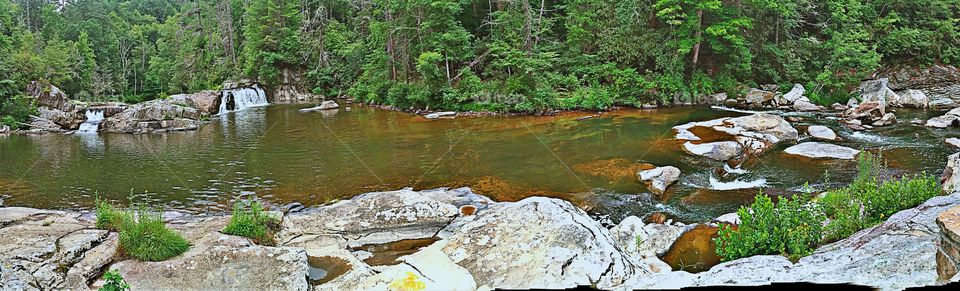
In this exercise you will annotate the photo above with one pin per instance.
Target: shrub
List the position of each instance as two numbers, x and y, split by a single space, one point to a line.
251 221
145 237
113 281
792 228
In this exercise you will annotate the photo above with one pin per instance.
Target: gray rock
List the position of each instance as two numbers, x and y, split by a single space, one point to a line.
943 121
383 217
153 116
804 105
720 151
645 240
206 101
758 97
819 150
220 262
326 105
911 98
795 94
659 178
821 132
950 180
942 103
549 242
954 142
877 90
729 218
887 119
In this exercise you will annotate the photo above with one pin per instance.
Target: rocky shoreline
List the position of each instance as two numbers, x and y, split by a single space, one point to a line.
476 243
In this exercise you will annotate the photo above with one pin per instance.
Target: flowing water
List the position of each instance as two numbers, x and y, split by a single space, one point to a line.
94 117
283 156
242 98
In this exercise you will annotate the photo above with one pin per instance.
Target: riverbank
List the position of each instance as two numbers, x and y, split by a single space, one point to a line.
471 243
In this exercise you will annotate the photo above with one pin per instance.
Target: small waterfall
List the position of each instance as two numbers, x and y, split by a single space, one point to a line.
92 124
242 98
736 184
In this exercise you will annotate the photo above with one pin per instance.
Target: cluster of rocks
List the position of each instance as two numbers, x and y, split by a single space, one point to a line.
735 136
480 244
176 113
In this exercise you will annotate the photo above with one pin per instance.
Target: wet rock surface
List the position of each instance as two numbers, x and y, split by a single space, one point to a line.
818 150
751 135
659 178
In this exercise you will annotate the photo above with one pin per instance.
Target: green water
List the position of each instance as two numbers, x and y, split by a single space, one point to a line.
283 156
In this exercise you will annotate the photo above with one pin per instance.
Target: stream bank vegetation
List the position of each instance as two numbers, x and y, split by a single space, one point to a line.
143 235
505 55
796 227
250 220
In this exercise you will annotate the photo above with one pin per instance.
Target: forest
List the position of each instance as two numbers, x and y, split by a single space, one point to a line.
495 55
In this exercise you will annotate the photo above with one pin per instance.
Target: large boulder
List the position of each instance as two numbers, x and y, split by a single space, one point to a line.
878 91
804 105
758 98
795 94
326 105
50 96
950 119
938 81
911 98
659 178
207 102
866 112
66 120
540 243
383 217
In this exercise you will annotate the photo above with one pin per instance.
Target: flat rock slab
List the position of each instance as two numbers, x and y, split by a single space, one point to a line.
221 262
383 217
817 150
821 132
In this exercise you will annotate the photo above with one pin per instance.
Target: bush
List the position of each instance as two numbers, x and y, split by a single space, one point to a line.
15 111
792 228
251 221
114 282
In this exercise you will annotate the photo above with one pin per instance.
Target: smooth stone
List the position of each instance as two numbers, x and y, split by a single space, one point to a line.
806 106
444 114
795 93
819 150
954 142
720 151
659 178
326 105
821 132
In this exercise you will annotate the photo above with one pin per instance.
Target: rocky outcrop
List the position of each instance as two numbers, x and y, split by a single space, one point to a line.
291 88
821 132
659 178
948 251
752 135
50 96
153 116
65 120
646 240
877 91
818 150
208 102
938 81
894 255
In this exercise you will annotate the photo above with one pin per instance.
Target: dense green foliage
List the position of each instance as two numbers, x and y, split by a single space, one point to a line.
143 235
869 200
791 227
113 281
794 228
516 55
251 221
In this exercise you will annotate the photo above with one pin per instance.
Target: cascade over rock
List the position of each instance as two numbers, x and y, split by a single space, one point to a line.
242 98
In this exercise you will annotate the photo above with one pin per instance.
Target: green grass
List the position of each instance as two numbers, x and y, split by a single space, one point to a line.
795 227
251 221
143 235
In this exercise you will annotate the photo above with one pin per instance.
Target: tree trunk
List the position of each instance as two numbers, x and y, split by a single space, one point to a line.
696 47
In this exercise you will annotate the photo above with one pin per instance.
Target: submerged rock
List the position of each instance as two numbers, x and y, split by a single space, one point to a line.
326 105
659 178
821 132
819 150
444 114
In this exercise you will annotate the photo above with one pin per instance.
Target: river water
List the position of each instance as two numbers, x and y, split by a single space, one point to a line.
283 156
